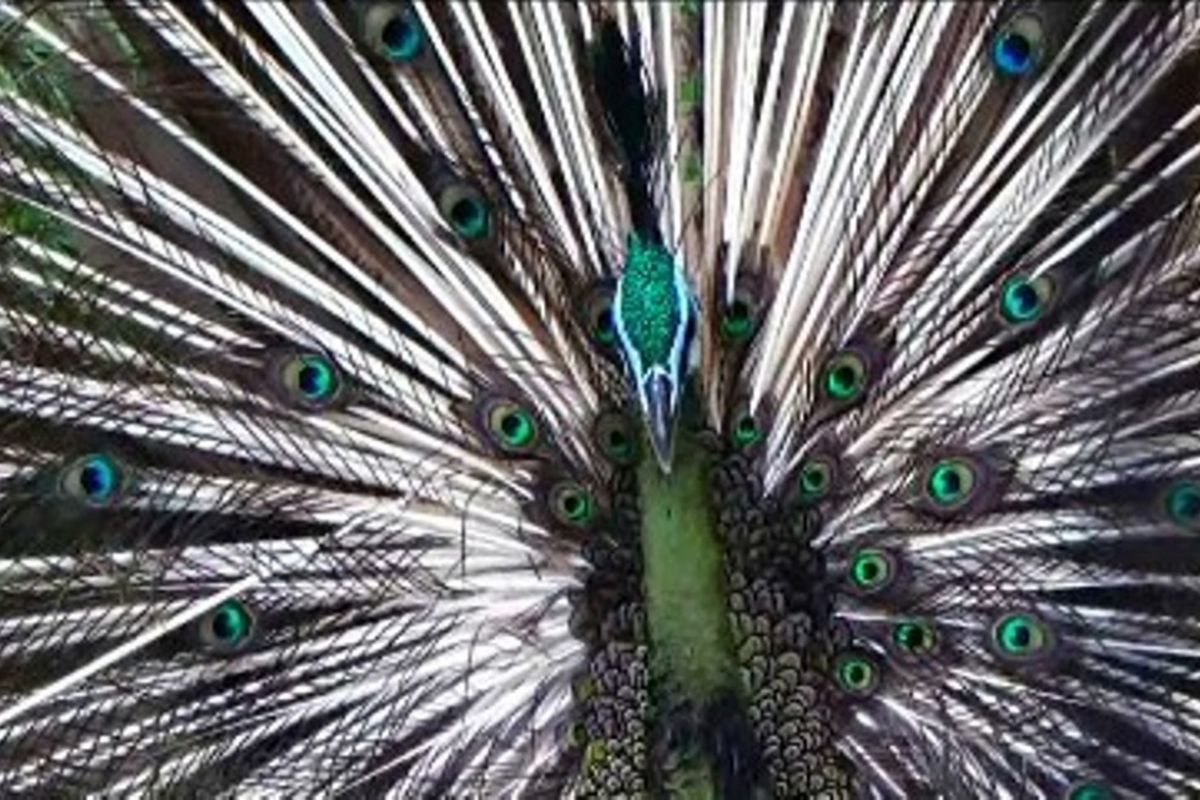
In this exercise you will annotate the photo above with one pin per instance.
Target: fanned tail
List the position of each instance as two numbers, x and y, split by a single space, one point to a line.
980 366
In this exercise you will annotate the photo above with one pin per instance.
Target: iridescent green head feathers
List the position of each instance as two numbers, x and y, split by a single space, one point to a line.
655 321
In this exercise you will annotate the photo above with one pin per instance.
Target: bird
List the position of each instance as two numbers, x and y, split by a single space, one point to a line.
600 400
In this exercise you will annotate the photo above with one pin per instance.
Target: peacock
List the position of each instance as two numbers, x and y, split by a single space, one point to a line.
600 400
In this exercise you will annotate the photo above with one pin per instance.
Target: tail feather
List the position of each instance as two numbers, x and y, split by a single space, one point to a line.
315 472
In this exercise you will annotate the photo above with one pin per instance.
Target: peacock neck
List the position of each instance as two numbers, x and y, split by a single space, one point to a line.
685 594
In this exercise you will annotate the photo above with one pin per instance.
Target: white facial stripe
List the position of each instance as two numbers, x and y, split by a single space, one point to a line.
632 358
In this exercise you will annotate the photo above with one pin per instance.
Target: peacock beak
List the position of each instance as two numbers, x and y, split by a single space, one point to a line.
658 401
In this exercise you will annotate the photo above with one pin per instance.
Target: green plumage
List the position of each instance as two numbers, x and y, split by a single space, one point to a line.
649 307
685 593
685 588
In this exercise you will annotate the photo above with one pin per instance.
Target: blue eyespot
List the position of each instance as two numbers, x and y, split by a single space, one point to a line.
394 32
311 380
96 479
467 211
1182 503
403 37
1024 300
1018 47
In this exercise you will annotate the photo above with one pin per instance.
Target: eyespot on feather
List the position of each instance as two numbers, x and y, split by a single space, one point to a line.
744 432
596 317
1179 503
951 483
1019 46
1025 300
466 210
393 31
97 480
1022 637
871 570
308 380
229 628
571 503
616 437
816 479
857 674
508 424
915 637
845 377
1089 790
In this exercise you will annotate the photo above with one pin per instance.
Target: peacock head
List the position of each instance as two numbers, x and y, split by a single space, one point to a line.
655 320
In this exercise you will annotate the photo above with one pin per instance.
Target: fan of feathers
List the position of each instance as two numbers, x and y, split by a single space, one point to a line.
600 400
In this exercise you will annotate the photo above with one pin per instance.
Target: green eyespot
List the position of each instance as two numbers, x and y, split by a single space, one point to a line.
616 438
311 380
1019 47
917 637
738 320
871 570
466 210
513 428
598 316
1020 636
229 626
845 377
744 431
857 674
816 479
572 504
394 32
95 479
1182 505
950 483
1090 790
1024 300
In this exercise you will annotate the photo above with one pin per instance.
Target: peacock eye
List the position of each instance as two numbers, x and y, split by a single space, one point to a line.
513 428
1018 47
816 476
311 379
601 324
857 674
1020 636
1090 790
1182 503
871 570
950 483
917 637
572 504
1024 300
615 437
466 211
737 323
95 479
229 626
744 431
394 32
845 377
